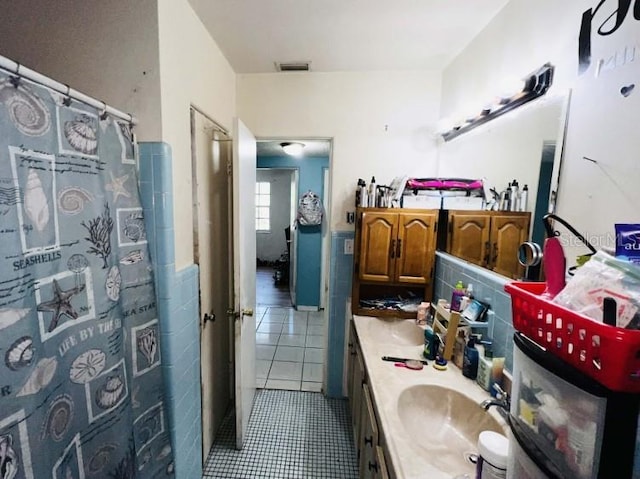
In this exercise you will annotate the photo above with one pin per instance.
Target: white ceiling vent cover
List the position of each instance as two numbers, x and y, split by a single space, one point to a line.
292 66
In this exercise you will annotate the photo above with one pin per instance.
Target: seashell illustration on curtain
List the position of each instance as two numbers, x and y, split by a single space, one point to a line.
109 393
72 200
20 354
26 110
148 344
9 464
36 205
81 133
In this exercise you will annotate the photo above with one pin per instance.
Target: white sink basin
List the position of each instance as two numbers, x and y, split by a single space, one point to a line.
443 426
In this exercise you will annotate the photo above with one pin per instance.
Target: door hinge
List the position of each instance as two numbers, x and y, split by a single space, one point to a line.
229 167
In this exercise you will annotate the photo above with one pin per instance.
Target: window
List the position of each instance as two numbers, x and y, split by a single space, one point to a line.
263 203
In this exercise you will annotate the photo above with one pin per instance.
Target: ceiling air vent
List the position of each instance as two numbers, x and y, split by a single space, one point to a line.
293 66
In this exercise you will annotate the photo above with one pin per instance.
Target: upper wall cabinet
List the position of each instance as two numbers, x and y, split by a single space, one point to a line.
489 239
393 258
397 247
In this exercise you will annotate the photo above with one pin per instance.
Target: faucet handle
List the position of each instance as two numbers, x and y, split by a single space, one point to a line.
501 393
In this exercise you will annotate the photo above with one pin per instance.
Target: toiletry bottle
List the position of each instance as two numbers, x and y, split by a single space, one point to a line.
421 317
372 192
458 349
485 366
456 296
430 343
493 455
514 196
524 198
470 359
466 299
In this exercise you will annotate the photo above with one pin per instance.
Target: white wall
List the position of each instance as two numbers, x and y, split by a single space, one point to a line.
107 49
602 123
270 245
382 123
193 71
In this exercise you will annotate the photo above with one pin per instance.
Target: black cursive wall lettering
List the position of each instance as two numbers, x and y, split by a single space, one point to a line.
607 27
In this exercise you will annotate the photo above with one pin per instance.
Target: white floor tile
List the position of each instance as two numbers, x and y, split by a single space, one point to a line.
272 318
265 351
313 355
315 341
283 384
267 338
300 314
261 383
315 329
295 327
312 372
286 370
292 340
311 387
284 312
262 368
316 316
272 328
289 353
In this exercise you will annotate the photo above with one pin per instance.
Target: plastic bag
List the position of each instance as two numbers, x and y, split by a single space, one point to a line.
600 277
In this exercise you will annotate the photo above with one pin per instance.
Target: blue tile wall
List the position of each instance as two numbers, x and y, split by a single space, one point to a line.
487 287
177 296
339 293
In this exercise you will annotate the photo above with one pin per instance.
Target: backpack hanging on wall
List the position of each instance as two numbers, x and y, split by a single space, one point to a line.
310 209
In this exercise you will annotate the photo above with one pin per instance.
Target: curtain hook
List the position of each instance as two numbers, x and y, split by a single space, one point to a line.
67 100
103 115
15 79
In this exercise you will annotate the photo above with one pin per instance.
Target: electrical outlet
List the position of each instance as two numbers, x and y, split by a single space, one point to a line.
351 217
348 246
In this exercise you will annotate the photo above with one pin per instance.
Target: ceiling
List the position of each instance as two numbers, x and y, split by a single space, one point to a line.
343 35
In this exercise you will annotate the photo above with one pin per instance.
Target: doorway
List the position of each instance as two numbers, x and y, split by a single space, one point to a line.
291 338
210 153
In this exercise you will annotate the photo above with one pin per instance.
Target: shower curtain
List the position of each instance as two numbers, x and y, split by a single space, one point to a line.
81 391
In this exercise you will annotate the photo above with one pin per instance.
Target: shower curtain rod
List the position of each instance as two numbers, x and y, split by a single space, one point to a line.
18 69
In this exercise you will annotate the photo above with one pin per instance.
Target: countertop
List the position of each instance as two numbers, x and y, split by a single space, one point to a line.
386 382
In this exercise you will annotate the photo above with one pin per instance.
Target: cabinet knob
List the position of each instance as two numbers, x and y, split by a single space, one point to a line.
399 248
487 253
368 440
392 249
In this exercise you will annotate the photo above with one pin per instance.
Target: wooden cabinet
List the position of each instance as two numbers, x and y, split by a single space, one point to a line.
355 382
489 239
394 255
371 460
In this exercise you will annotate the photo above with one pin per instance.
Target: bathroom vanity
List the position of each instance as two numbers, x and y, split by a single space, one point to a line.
411 424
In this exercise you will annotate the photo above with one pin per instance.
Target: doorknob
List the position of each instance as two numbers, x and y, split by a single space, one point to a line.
247 312
209 317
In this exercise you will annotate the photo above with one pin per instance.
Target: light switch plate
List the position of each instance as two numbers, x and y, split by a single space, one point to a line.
348 246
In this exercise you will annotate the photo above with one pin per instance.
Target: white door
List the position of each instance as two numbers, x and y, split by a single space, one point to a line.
244 274
210 156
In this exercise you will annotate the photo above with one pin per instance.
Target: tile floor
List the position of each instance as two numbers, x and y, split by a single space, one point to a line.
292 434
290 349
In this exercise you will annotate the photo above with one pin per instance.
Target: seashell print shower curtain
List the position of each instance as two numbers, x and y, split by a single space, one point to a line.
81 391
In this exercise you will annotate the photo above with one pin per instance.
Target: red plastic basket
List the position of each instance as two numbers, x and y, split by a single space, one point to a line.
608 354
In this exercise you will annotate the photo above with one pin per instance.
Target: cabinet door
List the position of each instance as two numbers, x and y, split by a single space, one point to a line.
383 472
415 247
378 246
508 232
351 356
368 437
469 236
356 403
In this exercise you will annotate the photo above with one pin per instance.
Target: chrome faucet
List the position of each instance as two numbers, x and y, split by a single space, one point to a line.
501 401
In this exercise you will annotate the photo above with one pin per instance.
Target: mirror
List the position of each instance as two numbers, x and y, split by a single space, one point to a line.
525 145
